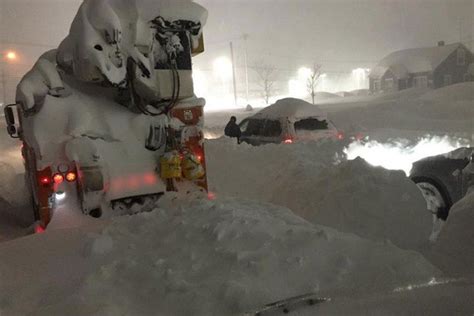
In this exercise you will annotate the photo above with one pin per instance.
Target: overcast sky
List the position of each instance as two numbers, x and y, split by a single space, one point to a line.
339 34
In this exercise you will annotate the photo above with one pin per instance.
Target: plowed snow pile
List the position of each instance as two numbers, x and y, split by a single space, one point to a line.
211 258
351 197
454 249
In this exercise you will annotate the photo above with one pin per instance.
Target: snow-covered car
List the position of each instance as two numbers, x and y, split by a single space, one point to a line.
444 179
288 121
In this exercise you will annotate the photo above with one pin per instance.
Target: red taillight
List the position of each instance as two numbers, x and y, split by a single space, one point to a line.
58 178
71 176
45 180
39 229
288 141
211 196
340 135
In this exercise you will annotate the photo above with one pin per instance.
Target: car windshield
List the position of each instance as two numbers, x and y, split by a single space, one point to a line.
311 124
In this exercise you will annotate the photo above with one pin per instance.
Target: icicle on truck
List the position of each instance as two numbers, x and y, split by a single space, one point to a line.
110 119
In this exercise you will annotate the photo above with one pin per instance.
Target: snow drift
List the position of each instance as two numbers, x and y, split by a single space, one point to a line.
352 197
454 249
355 197
195 258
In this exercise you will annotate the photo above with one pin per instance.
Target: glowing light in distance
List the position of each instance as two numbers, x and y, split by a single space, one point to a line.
304 73
223 68
400 155
200 82
11 56
297 89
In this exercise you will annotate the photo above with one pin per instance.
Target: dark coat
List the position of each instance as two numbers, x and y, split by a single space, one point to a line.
232 130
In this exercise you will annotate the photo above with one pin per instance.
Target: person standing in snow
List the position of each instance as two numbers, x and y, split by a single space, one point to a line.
232 129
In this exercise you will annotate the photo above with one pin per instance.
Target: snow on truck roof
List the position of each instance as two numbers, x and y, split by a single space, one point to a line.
290 107
413 60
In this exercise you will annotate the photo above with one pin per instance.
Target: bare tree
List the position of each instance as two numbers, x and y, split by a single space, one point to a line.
266 79
313 80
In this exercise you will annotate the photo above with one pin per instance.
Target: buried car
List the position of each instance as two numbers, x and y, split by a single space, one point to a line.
444 179
287 121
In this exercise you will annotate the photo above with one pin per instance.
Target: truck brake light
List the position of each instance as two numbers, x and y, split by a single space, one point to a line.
45 180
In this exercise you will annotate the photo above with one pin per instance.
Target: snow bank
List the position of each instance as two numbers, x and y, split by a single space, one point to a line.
352 197
355 197
454 249
201 258
445 110
254 172
12 186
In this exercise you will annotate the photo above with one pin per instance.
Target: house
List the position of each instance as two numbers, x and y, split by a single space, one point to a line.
430 67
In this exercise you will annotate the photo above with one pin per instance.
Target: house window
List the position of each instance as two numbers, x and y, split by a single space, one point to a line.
461 57
389 84
448 80
420 82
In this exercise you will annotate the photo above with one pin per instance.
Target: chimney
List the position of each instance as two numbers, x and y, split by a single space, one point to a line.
440 43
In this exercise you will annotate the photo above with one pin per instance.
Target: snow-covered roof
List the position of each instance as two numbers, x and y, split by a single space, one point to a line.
414 60
290 107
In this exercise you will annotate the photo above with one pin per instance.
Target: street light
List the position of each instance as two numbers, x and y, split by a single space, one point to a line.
11 56
223 68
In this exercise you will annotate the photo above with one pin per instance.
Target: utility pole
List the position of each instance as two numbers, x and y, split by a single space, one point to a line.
233 72
246 36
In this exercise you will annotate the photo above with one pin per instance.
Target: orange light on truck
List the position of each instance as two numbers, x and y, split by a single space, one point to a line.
58 178
71 176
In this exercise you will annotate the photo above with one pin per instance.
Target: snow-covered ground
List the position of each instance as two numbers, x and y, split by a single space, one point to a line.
288 219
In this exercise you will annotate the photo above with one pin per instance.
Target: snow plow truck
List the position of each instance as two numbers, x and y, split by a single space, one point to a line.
109 120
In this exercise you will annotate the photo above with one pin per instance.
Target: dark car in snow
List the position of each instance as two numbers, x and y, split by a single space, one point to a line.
444 179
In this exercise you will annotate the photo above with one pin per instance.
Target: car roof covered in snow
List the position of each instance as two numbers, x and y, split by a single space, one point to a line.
414 60
291 108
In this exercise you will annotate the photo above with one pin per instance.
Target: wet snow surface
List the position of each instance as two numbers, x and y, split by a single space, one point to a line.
287 220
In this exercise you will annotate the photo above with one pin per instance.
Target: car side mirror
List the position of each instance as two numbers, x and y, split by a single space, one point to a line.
12 129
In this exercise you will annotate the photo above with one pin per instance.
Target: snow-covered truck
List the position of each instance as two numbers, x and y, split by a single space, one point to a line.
110 120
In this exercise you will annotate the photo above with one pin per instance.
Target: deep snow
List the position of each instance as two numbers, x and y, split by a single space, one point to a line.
195 257
234 254
350 196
